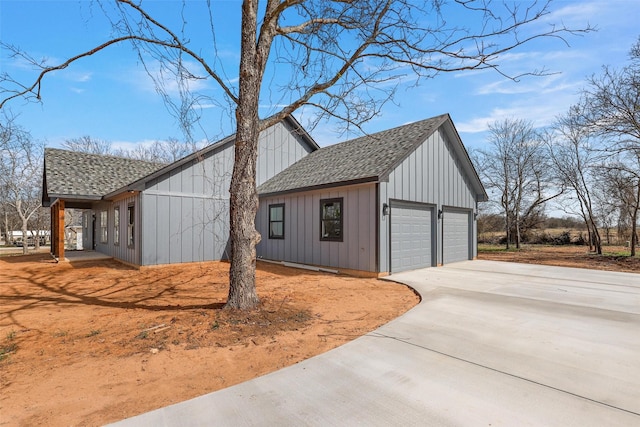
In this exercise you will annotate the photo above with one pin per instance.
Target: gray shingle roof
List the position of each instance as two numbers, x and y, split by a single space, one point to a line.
359 160
90 176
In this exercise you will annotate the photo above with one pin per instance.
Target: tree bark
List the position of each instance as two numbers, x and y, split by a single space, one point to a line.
7 233
634 221
24 228
243 194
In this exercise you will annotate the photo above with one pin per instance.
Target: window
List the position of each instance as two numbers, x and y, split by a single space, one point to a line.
331 219
116 225
131 219
103 227
276 221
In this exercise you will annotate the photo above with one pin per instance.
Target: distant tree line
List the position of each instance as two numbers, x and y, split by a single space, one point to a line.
21 162
587 164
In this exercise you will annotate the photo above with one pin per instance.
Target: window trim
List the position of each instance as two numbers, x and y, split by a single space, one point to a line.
339 238
271 235
131 238
116 225
104 226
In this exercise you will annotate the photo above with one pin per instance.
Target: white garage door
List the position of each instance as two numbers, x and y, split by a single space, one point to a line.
456 235
411 236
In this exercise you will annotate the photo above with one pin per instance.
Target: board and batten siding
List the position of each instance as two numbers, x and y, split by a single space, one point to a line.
120 251
302 243
431 174
186 210
279 147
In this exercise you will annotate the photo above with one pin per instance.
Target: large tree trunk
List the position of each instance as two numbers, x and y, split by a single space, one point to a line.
25 239
8 237
244 196
595 234
517 225
634 221
243 208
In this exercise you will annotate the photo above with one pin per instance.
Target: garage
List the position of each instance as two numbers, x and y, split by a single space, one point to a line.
456 235
412 233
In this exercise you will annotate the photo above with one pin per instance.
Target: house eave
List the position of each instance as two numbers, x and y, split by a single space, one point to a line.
371 179
71 200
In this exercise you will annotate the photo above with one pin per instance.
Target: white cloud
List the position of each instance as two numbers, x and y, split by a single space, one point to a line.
82 77
539 111
538 85
577 14
131 145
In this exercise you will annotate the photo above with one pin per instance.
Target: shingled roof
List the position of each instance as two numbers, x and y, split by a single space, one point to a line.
82 176
366 159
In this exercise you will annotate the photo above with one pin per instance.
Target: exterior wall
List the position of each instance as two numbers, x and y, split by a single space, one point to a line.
186 211
302 243
87 230
279 148
431 174
122 250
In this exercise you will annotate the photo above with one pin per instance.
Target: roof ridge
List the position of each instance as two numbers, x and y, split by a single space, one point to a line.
365 158
390 130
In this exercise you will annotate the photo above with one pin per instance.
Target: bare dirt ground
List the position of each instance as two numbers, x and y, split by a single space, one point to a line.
614 258
91 343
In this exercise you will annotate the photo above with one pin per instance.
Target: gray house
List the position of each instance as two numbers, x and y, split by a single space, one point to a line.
149 214
400 199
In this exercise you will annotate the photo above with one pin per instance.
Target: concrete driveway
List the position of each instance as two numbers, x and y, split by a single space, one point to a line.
491 344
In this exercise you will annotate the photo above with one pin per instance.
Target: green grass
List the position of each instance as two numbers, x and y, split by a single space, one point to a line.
626 253
484 247
7 349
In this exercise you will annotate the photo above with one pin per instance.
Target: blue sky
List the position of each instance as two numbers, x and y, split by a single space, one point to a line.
109 96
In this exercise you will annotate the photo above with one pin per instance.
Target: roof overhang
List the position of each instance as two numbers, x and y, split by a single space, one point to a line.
71 201
366 180
463 154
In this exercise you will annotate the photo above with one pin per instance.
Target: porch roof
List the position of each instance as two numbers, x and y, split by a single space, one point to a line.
80 178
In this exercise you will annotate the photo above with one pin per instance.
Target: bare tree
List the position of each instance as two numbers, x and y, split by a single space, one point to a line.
611 110
40 223
623 187
575 161
20 171
344 58
8 218
516 167
167 151
87 144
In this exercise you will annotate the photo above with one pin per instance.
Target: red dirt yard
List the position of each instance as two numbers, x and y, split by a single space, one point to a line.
90 343
614 258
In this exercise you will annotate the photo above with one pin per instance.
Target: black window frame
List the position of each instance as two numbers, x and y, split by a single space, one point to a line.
271 221
131 224
116 225
104 226
340 220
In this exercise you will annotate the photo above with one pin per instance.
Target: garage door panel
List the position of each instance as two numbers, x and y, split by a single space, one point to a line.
457 236
411 236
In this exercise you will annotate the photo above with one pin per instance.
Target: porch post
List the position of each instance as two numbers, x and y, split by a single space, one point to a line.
54 224
60 229
57 229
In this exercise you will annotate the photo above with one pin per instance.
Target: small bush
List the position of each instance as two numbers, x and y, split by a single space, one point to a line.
7 349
